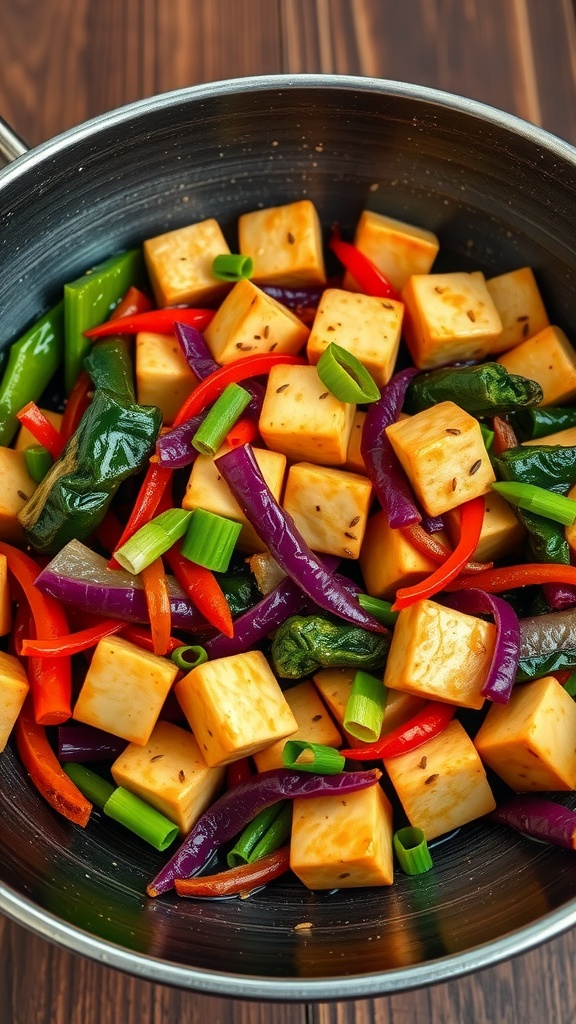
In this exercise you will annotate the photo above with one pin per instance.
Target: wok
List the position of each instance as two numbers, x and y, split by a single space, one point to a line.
501 194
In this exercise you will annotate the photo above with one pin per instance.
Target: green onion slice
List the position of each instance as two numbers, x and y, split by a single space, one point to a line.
92 786
220 419
142 819
381 610
312 757
38 461
189 657
539 500
365 707
254 832
412 851
276 835
345 376
210 540
153 539
232 266
487 436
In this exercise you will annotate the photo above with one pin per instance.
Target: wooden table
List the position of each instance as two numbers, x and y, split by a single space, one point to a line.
62 61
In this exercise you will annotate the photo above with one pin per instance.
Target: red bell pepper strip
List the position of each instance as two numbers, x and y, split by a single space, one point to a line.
71 643
430 721
239 880
52 686
504 436
109 531
244 431
149 497
471 518
49 778
493 581
158 601
134 302
369 279
142 637
159 321
203 588
44 432
238 771
433 548
78 401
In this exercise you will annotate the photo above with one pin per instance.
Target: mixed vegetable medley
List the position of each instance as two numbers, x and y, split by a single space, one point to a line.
288 581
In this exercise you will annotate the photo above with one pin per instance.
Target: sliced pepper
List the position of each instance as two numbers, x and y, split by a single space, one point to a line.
549 466
239 880
485 390
369 279
42 430
430 721
159 321
32 361
203 588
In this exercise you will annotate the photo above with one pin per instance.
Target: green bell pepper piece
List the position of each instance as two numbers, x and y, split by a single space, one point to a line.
549 466
486 390
90 299
543 665
546 539
304 643
32 362
531 424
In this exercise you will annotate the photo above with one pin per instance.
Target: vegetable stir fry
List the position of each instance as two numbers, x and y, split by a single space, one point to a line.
288 583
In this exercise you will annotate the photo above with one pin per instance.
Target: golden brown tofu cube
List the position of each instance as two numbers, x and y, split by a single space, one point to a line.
163 376
502 532
440 653
234 707
519 304
531 741
124 689
314 725
442 784
565 438
249 322
24 439
180 262
399 250
16 489
443 455
285 244
354 461
329 507
13 691
367 327
449 317
302 419
206 489
389 561
340 842
549 359
169 773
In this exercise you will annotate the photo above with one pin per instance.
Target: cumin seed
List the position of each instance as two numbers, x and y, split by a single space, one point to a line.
182 775
453 430
454 482
475 467
471 315
354 522
323 395
431 778
351 535
156 758
423 762
282 388
290 238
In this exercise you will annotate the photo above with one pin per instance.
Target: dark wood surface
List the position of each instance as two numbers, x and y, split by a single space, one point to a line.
62 61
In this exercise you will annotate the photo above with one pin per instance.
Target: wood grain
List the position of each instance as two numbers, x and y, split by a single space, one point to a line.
63 61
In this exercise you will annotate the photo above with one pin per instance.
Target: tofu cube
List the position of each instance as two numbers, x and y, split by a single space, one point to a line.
302 419
234 707
440 653
163 376
329 507
548 358
449 317
16 489
24 439
388 560
124 689
206 489
565 438
342 842
169 773
399 250
443 455
180 262
285 244
13 691
314 725
354 461
442 784
519 304
502 532
367 327
335 686
531 741
5 599
249 322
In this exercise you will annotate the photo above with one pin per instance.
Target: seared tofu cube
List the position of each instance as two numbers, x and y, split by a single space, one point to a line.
314 725
250 322
16 489
124 689
548 358
341 842
565 438
399 250
169 773
329 507
440 653
180 262
206 489
163 376
302 419
24 439
367 327
354 461
519 304
235 707
531 741
442 784
502 532
449 317
388 560
285 244
5 599
335 686
13 691
442 452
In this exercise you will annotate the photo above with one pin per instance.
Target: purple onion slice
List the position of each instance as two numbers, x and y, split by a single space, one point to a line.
504 664
540 818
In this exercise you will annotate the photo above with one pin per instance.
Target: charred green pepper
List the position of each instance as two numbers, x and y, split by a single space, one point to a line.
546 539
549 466
531 424
486 390
304 643
32 362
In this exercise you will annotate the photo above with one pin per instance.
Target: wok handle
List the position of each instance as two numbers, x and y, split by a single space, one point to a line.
11 145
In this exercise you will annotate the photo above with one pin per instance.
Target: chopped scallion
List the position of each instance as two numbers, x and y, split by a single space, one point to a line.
252 835
412 851
220 419
210 540
189 657
142 819
312 757
380 609
487 436
38 461
365 707
537 499
232 266
345 376
276 835
153 539
92 786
